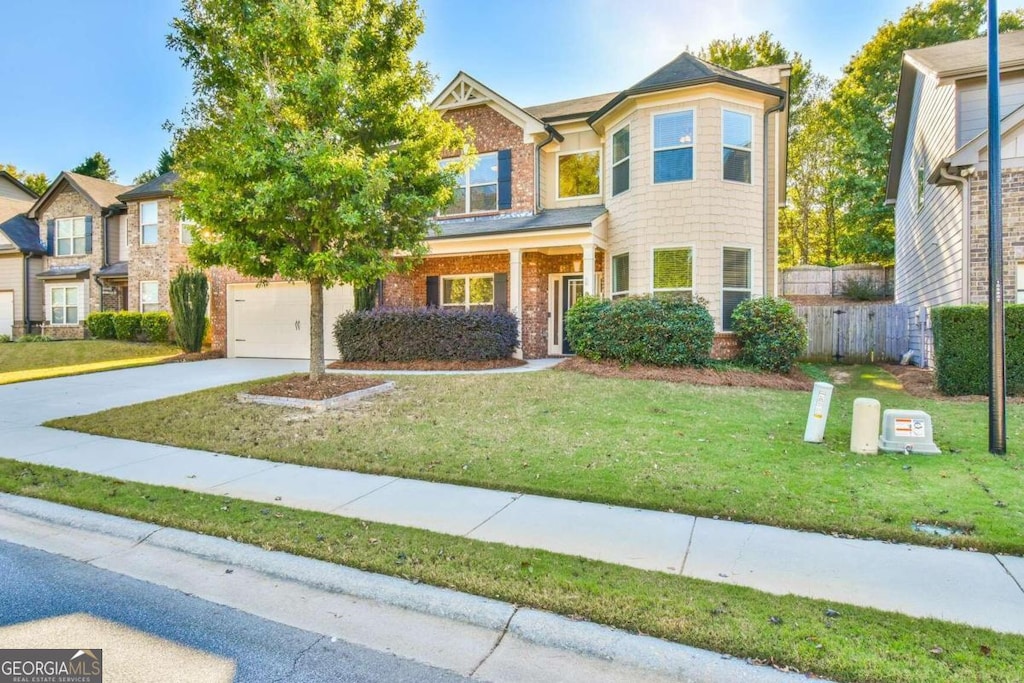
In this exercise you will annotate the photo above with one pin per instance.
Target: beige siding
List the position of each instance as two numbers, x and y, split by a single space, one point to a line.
12 279
574 142
972 104
117 227
707 213
9 190
35 308
929 240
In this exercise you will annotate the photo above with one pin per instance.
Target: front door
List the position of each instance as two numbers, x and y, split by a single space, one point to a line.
572 289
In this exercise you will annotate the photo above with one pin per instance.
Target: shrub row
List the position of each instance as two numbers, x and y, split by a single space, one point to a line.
961 336
405 334
129 325
770 333
654 331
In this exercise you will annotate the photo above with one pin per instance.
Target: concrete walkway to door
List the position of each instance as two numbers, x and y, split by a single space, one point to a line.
973 588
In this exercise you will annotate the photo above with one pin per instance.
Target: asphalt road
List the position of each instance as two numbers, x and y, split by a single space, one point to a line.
37 585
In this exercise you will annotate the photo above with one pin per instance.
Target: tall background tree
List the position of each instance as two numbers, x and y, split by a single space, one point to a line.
36 182
309 151
164 164
98 166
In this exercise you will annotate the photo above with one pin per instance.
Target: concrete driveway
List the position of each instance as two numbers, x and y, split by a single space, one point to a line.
29 404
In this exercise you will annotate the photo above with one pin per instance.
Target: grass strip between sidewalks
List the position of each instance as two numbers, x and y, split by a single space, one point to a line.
860 644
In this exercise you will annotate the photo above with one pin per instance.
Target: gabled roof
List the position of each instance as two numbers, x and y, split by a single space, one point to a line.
686 71
29 192
970 151
579 108
161 186
12 207
102 193
466 91
24 233
549 219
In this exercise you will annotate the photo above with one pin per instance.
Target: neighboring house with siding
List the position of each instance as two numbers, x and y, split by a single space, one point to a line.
938 179
20 259
670 187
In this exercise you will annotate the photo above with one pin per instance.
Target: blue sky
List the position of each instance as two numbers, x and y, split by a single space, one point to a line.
88 75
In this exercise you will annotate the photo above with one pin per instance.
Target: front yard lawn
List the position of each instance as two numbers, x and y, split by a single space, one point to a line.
24 361
841 642
731 452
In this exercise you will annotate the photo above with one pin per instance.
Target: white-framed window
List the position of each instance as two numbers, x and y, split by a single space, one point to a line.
469 292
920 187
149 296
70 236
673 146
148 223
123 226
186 226
620 275
737 145
673 271
735 282
477 190
65 303
620 161
579 174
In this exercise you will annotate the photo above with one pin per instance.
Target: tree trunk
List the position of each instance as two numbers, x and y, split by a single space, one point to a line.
317 369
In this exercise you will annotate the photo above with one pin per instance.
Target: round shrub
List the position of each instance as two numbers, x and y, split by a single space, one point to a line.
100 325
583 326
770 333
155 326
127 325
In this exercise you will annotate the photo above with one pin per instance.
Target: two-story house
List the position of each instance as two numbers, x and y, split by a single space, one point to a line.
21 252
938 179
670 187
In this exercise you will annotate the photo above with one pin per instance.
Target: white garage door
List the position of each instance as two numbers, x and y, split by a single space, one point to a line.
273 321
6 313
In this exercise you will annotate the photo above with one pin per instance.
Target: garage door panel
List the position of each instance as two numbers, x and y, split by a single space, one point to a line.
6 313
273 321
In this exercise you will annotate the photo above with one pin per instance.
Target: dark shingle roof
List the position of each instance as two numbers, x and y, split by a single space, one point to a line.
687 70
24 233
568 109
63 271
161 186
119 269
552 219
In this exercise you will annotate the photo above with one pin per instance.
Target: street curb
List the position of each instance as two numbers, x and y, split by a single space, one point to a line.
531 625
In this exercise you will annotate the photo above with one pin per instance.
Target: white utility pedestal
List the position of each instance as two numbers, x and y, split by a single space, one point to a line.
821 398
867 415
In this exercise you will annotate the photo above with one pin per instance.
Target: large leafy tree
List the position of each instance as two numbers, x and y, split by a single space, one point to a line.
98 166
863 110
36 182
309 151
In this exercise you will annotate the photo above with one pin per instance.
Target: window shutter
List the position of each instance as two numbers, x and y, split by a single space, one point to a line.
88 234
501 291
504 179
433 291
51 237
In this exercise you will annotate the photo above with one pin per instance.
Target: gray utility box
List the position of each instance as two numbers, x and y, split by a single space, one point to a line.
907 431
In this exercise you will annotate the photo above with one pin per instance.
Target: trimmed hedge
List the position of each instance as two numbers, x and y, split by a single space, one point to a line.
653 331
961 336
100 325
408 334
770 333
155 326
127 325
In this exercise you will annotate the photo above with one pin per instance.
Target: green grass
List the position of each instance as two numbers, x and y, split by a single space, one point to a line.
735 453
860 645
22 362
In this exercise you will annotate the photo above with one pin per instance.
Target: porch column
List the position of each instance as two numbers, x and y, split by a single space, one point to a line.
589 271
515 292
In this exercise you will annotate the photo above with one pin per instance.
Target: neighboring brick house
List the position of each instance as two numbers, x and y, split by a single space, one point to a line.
80 219
938 179
671 186
21 258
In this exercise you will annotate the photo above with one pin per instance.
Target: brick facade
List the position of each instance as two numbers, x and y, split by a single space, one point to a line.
1013 234
155 262
725 346
493 132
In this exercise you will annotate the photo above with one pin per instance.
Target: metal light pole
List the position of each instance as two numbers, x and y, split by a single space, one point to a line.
997 358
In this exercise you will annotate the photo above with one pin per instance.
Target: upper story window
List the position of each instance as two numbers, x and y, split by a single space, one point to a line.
579 174
148 231
737 143
70 236
470 292
620 161
920 187
673 271
673 146
186 226
477 189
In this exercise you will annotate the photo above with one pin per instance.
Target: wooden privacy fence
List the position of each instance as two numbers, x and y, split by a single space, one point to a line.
857 332
824 281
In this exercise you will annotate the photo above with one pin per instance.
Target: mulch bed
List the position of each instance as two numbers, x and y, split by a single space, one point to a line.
191 357
795 380
436 365
299 386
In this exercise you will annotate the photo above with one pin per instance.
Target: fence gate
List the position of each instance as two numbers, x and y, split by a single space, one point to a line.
856 333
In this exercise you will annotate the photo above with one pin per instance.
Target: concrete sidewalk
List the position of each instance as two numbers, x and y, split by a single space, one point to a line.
972 588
